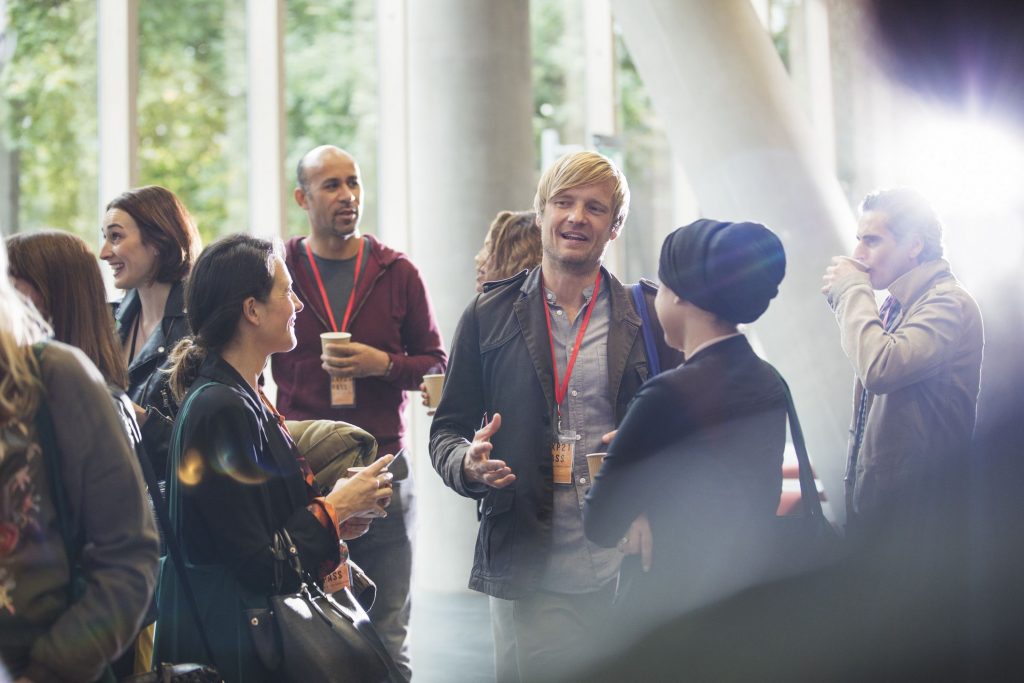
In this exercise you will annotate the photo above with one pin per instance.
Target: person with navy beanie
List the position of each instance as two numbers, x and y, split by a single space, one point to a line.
697 459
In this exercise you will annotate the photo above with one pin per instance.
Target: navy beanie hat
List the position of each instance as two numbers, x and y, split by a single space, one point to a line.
730 269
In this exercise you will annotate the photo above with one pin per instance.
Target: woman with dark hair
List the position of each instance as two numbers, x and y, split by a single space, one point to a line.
58 272
238 478
150 244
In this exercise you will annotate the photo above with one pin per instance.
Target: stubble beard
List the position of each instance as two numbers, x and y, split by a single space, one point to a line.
583 264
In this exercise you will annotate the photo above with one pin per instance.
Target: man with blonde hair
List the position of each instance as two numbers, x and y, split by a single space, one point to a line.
550 359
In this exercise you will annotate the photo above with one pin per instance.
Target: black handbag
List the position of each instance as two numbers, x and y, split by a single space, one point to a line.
806 541
312 636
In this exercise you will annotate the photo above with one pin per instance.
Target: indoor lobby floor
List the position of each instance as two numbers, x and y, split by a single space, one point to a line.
451 638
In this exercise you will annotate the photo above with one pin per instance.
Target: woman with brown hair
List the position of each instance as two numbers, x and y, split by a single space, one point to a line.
61 276
511 246
150 244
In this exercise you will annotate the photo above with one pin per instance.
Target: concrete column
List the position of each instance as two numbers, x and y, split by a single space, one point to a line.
118 78
393 120
470 155
265 37
733 121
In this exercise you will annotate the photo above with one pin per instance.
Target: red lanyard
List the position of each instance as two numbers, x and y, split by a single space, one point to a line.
323 292
560 389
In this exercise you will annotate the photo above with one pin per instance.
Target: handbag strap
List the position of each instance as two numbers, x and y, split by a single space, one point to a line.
164 517
809 498
653 362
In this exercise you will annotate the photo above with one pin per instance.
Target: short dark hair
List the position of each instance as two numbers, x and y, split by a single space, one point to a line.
907 213
300 174
165 223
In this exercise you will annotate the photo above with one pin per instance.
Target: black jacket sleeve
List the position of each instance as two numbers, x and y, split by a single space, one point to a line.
618 494
236 492
461 408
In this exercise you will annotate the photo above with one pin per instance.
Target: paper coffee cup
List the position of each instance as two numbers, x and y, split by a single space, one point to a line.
855 263
434 385
343 389
594 461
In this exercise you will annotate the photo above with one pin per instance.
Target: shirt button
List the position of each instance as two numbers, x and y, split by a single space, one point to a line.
558 313
583 480
160 350
575 393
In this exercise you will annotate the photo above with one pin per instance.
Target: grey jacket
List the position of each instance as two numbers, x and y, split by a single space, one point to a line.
501 363
42 636
922 379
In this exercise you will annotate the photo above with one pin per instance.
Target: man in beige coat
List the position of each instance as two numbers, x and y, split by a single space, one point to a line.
917 359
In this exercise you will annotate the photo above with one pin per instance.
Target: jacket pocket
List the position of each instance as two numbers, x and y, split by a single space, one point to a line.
494 549
642 371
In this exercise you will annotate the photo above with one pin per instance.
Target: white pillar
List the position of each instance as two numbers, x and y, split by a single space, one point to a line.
733 121
470 155
393 124
117 78
265 39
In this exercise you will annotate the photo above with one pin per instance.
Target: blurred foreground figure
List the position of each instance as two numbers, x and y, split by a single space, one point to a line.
699 453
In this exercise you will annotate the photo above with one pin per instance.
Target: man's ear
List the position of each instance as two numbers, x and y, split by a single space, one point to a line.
616 229
300 197
916 246
537 218
250 311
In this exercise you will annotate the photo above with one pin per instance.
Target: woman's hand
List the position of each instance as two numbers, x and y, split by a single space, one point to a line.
365 493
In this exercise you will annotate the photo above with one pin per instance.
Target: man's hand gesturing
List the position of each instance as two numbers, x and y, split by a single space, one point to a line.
477 465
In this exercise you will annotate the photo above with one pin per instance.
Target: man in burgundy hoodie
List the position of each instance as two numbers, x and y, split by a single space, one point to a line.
350 282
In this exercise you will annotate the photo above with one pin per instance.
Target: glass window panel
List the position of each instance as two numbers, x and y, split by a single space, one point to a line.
331 91
192 108
48 149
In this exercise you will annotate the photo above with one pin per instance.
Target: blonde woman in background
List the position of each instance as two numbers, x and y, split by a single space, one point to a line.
511 246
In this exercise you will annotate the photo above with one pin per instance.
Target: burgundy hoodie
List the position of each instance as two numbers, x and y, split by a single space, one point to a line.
392 312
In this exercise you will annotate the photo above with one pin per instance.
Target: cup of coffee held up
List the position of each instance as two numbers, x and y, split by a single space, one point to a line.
343 389
434 384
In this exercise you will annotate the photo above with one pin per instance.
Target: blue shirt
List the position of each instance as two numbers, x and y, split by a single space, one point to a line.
575 565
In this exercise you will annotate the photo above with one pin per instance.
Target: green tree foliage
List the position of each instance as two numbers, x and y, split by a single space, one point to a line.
191 103
192 109
331 93
48 112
